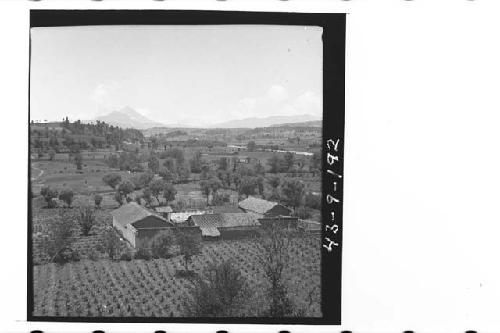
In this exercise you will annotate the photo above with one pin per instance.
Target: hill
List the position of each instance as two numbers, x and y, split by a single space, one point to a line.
312 123
254 122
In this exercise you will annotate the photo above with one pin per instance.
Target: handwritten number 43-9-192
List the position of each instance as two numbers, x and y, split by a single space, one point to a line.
332 228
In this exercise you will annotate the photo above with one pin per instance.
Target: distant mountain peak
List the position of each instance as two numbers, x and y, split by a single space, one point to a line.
127 117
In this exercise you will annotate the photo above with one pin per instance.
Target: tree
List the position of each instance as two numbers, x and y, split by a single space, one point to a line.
112 179
60 237
78 161
223 163
315 162
302 212
222 291
205 188
275 163
196 162
49 195
125 188
109 243
183 173
251 146
67 197
189 246
205 169
260 184
313 201
215 184
156 187
146 195
259 169
118 198
169 192
169 175
52 154
154 164
98 200
293 190
289 161
274 182
248 186
86 219
161 245
275 259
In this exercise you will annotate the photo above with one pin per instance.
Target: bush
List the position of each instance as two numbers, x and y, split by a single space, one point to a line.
142 254
59 239
49 195
67 197
126 256
98 200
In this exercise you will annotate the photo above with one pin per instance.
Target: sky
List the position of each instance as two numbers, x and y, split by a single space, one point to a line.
189 75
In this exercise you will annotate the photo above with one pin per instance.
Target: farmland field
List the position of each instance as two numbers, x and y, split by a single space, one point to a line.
142 288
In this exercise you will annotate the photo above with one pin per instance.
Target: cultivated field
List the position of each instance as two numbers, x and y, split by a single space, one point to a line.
151 289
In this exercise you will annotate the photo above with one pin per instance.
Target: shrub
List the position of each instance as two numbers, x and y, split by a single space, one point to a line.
126 256
142 254
98 200
67 197
49 195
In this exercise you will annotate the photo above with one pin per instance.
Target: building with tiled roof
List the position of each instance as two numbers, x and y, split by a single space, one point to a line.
264 207
226 225
138 225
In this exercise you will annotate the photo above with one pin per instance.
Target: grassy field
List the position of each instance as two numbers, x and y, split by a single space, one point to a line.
151 289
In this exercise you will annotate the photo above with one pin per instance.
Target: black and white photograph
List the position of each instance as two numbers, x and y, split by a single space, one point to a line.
176 172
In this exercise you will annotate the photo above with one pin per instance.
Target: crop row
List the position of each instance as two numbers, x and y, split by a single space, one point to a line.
151 289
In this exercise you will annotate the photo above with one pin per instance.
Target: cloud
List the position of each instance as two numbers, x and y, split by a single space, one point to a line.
308 102
102 93
277 93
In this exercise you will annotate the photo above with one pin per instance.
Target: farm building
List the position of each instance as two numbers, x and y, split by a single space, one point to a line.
288 222
165 211
138 225
181 217
263 207
225 225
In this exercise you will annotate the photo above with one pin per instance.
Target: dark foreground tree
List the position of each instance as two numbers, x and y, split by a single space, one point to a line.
189 246
274 261
221 291
60 237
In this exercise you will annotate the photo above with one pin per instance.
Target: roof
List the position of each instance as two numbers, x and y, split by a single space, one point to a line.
225 209
256 205
130 213
224 220
183 216
164 209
